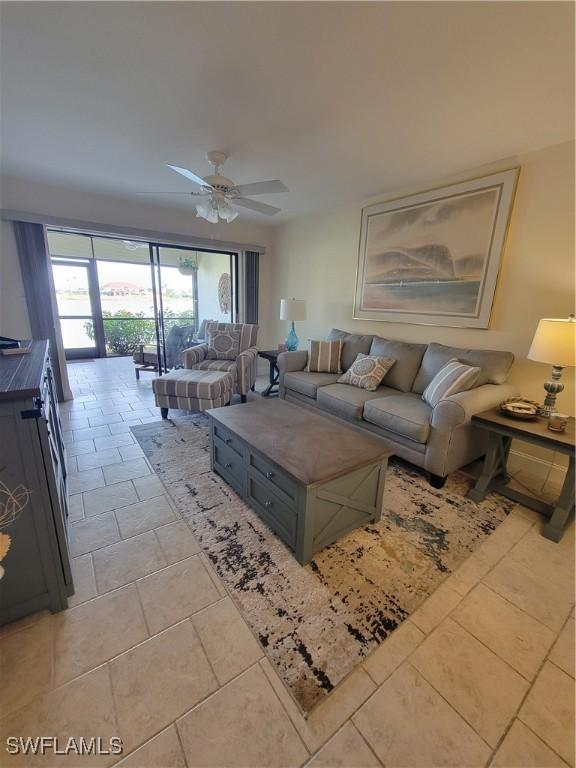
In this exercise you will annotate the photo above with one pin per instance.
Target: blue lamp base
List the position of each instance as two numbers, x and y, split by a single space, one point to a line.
292 339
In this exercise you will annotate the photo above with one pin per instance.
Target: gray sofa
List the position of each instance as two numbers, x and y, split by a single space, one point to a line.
439 439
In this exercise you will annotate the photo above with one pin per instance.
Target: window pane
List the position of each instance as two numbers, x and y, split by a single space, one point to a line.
127 306
77 334
177 297
72 294
125 333
125 288
69 244
108 248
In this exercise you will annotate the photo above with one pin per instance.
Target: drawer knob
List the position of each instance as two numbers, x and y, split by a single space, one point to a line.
269 475
227 466
267 504
228 440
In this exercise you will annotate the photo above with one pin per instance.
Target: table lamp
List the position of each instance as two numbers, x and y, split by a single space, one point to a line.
292 309
554 342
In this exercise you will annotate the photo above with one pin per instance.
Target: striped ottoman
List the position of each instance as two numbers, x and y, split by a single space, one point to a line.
192 390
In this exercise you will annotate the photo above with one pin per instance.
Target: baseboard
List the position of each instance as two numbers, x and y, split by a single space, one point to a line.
537 468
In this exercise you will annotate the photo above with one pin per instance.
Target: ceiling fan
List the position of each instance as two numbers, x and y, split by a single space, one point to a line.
221 192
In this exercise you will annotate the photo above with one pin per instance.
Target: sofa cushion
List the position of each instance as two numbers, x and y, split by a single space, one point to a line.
367 372
353 344
494 364
324 356
307 383
454 377
408 358
346 401
407 415
223 345
248 332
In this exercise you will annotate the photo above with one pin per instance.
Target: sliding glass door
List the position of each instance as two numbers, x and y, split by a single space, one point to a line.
76 289
117 297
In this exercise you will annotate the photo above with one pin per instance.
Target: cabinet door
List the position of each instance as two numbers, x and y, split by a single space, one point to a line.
28 583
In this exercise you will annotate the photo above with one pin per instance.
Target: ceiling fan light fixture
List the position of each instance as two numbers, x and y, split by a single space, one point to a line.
208 210
226 212
214 209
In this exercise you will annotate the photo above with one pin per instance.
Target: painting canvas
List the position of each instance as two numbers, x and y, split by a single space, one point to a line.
434 257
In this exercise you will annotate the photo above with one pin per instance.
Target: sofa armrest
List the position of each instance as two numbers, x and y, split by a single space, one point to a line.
458 409
246 369
288 362
292 361
194 355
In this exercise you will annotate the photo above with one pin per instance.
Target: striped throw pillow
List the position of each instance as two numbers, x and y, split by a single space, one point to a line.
452 378
367 371
324 356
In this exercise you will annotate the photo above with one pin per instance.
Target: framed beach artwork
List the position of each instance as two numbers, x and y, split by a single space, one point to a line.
434 257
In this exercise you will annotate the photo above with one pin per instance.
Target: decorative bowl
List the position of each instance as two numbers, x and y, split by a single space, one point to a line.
520 408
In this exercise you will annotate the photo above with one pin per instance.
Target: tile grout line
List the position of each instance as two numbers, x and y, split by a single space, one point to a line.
425 635
365 742
445 700
304 715
521 704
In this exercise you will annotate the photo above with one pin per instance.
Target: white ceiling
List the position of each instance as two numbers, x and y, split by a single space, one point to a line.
342 101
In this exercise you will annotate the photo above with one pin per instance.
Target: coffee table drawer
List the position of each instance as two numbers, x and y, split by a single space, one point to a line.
227 459
277 515
269 473
228 439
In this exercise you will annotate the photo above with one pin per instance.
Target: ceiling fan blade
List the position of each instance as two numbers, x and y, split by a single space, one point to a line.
188 194
254 205
188 175
262 188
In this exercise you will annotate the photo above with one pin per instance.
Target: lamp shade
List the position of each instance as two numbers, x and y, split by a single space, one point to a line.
292 309
554 342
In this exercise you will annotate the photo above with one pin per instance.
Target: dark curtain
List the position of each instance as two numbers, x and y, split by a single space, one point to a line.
251 270
37 280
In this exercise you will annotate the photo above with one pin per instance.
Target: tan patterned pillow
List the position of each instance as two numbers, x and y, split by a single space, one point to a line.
367 371
324 356
223 345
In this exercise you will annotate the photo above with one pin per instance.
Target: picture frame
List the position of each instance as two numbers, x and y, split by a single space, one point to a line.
434 257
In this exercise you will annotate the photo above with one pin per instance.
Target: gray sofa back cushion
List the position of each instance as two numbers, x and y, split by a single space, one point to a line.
408 358
494 365
353 344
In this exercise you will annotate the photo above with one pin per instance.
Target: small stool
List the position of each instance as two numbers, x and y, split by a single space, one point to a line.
192 390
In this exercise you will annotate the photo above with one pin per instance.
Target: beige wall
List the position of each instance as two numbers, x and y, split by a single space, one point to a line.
315 258
13 313
89 207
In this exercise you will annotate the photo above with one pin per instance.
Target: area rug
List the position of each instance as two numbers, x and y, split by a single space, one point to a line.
316 623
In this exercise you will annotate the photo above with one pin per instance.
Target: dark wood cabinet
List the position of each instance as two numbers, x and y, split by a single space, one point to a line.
33 488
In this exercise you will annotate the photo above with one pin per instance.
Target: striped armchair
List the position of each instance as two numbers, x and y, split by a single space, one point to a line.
243 368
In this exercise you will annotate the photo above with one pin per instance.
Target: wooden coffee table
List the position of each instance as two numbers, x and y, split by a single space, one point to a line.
310 478
494 477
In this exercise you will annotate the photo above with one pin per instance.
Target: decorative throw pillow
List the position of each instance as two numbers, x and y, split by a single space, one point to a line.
367 371
324 356
452 378
223 345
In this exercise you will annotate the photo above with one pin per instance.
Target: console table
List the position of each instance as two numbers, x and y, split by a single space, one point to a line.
501 431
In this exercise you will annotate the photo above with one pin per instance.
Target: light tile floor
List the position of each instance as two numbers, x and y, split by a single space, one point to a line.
152 649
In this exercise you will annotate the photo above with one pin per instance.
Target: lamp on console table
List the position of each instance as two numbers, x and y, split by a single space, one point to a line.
292 309
554 342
